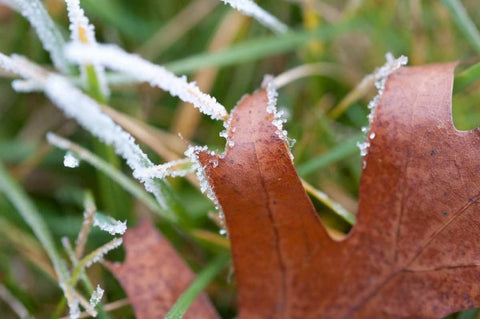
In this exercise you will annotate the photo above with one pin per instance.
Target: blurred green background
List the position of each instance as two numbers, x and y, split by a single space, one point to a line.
228 54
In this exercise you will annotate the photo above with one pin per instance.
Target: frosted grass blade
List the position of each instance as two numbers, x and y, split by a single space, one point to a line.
45 28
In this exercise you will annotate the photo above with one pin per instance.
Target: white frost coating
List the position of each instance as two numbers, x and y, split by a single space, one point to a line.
110 225
381 76
96 296
48 34
7 64
363 146
70 160
26 86
115 58
172 169
205 186
72 301
88 114
84 32
278 116
102 251
80 28
251 9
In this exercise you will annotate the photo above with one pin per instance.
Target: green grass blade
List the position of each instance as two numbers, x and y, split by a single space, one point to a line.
464 23
116 15
258 48
16 150
327 201
469 314
335 154
33 218
245 52
466 78
200 282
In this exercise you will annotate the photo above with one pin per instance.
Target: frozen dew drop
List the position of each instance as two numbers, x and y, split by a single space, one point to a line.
70 160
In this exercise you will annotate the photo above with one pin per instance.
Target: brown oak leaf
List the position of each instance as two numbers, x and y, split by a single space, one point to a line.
153 275
415 250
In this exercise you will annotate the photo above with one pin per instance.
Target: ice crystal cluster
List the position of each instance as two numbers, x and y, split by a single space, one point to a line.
96 296
109 224
278 116
70 160
381 76
205 186
102 251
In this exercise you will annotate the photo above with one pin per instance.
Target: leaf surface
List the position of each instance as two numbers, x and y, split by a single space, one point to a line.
415 250
153 275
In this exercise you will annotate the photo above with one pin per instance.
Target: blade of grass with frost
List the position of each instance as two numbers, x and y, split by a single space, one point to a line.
74 260
34 220
83 32
201 281
115 58
83 276
177 168
88 214
251 9
109 224
87 112
94 81
93 257
115 174
49 35
464 22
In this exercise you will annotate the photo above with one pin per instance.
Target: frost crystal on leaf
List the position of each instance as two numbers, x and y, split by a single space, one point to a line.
70 160
251 9
115 58
205 186
109 224
278 116
96 296
381 76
